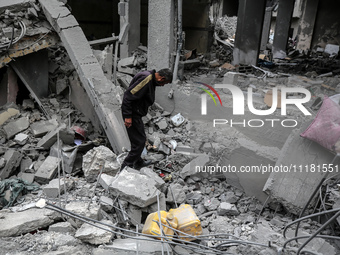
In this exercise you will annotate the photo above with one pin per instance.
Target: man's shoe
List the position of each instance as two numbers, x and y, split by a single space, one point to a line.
141 164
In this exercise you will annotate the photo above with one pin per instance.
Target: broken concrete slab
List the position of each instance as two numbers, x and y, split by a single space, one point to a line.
150 173
104 96
41 128
12 159
48 170
294 186
135 188
21 138
16 126
18 223
93 235
65 134
105 181
178 192
130 246
227 209
190 169
99 159
62 227
78 207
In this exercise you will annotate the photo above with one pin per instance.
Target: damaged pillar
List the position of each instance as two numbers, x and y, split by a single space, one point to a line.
284 17
248 31
160 34
306 25
266 28
8 87
129 11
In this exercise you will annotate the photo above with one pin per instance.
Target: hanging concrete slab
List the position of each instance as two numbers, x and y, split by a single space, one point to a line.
104 95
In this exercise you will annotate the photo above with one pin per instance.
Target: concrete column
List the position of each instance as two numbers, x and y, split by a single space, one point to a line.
248 31
266 28
160 34
132 16
283 19
306 25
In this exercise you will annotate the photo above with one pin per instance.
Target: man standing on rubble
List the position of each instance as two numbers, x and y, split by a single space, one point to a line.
136 101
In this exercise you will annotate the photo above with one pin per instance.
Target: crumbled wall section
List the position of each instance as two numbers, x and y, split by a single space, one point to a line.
104 95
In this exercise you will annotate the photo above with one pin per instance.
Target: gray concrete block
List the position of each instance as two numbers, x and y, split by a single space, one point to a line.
99 159
47 170
293 188
28 177
12 159
41 128
81 208
150 173
93 235
21 138
227 209
135 188
62 227
18 223
54 187
105 181
65 134
15 127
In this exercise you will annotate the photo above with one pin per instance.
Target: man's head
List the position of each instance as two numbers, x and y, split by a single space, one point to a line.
163 76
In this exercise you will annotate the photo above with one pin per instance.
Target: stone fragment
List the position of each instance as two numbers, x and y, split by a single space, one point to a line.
62 227
28 104
227 209
130 246
41 128
212 204
55 187
135 188
12 159
65 134
16 126
105 181
177 192
151 174
21 138
93 235
81 208
47 170
97 159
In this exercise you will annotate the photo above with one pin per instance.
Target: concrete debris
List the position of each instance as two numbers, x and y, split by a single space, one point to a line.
130 246
39 138
15 127
15 224
48 170
56 187
93 235
135 188
99 159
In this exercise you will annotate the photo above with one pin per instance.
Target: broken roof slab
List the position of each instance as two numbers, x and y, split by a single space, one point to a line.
104 95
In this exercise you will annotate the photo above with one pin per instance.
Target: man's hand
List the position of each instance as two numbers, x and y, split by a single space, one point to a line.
128 122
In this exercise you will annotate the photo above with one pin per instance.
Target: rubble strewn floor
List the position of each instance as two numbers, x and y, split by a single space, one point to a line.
59 156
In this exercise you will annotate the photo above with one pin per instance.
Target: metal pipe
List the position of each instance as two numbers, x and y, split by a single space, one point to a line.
180 39
160 223
307 217
318 231
89 221
313 194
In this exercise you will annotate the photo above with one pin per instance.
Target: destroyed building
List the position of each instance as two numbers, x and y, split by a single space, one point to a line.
244 140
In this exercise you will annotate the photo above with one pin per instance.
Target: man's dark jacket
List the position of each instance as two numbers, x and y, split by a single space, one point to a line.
140 95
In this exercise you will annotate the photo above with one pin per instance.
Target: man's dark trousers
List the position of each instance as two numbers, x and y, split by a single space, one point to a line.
137 138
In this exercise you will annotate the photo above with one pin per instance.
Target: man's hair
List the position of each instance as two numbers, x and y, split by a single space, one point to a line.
166 73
